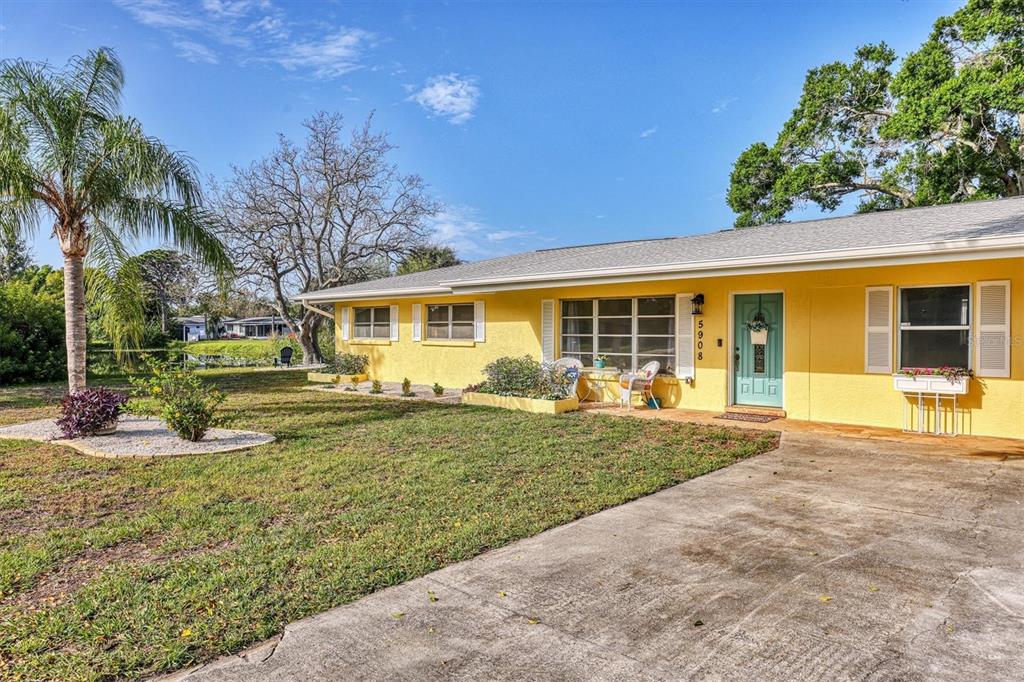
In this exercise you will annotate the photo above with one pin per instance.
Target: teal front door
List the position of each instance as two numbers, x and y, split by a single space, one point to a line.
757 362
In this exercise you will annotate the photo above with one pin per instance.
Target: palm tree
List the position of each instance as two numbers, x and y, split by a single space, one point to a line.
68 153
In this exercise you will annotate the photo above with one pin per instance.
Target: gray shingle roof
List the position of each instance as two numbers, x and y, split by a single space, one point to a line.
921 228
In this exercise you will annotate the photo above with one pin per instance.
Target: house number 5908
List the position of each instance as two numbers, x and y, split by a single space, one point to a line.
700 339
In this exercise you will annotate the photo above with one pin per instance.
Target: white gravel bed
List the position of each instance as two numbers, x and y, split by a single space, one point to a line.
138 437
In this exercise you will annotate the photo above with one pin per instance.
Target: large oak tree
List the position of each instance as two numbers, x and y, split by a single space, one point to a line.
944 125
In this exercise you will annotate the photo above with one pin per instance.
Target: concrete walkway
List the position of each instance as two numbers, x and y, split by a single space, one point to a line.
826 559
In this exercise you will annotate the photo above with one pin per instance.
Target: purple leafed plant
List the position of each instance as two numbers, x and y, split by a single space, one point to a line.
85 412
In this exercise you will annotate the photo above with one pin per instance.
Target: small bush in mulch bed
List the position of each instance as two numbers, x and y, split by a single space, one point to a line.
407 388
187 403
438 389
85 412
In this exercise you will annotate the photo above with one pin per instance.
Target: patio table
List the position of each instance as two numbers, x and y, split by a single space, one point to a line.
603 373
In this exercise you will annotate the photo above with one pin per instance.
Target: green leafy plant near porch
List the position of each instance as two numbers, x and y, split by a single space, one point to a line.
407 388
524 377
349 363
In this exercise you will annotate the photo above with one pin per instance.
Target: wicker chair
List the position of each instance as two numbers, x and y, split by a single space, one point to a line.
641 382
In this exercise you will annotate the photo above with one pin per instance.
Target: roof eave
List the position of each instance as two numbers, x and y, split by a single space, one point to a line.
1008 246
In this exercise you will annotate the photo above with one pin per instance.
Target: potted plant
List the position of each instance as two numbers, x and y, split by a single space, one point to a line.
90 412
758 329
599 361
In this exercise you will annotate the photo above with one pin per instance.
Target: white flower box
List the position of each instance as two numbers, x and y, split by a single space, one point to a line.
930 384
759 337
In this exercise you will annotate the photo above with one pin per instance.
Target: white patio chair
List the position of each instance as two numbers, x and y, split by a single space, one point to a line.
641 382
571 364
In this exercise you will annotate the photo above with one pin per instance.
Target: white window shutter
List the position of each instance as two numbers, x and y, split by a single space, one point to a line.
878 330
346 313
393 317
993 338
417 321
684 338
547 330
478 320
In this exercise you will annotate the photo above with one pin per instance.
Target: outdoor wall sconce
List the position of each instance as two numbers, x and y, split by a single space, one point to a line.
697 304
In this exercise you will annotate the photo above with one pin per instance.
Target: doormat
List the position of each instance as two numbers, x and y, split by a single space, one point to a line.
744 417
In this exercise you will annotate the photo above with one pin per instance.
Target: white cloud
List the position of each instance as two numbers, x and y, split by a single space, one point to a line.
460 228
160 14
195 52
721 105
330 56
253 32
450 96
504 235
650 131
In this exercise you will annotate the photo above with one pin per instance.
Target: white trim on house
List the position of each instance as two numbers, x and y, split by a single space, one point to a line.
902 254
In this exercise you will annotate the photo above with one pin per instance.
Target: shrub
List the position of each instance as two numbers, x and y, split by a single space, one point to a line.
354 380
407 388
376 387
349 363
524 377
31 334
438 389
85 412
187 403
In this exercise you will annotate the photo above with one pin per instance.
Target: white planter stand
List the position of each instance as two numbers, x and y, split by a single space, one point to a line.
934 387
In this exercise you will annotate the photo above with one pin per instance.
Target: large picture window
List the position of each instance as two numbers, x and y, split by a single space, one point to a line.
373 323
630 331
450 321
935 326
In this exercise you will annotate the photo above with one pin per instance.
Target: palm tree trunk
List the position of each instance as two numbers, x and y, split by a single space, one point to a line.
74 319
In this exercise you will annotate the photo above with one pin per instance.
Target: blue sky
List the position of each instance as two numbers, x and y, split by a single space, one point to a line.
537 125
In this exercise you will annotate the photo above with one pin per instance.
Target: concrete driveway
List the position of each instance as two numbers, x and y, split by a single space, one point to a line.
826 559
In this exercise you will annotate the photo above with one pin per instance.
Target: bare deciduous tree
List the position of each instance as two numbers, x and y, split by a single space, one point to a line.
323 214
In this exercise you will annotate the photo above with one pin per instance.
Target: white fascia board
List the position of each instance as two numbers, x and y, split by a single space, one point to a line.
369 294
992 247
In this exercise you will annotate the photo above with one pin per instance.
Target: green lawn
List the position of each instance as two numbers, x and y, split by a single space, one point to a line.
122 568
253 349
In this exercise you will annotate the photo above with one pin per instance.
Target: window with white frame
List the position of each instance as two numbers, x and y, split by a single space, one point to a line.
630 332
935 326
372 323
450 321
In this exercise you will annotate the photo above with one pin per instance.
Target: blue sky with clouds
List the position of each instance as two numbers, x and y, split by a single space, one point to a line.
537 125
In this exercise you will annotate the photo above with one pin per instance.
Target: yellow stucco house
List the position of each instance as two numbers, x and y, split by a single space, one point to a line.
848 304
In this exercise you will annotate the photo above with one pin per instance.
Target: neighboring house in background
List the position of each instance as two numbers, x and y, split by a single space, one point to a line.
193 327
255 327
848 303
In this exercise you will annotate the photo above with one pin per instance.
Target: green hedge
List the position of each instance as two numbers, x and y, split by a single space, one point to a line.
31 335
